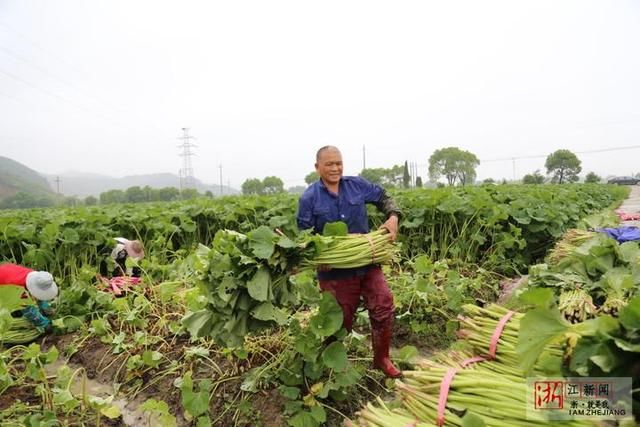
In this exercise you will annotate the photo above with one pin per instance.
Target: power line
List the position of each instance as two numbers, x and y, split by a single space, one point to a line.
62 80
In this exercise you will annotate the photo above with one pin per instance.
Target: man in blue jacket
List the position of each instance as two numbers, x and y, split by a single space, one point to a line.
343 198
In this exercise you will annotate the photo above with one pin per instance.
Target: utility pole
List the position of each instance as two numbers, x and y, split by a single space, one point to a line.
364 158
221 179
186 173
57 181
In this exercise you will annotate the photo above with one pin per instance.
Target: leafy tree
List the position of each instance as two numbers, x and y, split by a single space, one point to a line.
311 178
112 196
70 201
298 189
456 165
373 175
592 178
252 186
564 165
135 194
22 200
272 185
168 194
189 193
90 201
419 182
533 178
208 194
387 177
406 178
488 181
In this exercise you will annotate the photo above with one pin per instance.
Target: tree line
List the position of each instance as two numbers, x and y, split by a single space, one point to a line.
451 164
135 194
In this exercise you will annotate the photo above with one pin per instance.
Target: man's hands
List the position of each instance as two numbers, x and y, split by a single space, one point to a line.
391 224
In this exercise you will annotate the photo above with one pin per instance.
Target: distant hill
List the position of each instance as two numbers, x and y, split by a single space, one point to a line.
81 184
16 177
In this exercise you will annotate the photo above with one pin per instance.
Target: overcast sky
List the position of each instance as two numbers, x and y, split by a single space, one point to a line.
106 86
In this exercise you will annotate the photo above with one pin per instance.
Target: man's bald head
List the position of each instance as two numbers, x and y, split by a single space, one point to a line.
326 148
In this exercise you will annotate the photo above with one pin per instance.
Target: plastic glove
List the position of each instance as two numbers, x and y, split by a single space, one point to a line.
45 308
33 314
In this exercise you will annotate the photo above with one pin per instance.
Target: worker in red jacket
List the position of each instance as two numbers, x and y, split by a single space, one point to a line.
38 284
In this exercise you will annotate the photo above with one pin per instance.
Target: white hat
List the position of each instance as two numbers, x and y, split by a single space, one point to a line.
41 286
133 247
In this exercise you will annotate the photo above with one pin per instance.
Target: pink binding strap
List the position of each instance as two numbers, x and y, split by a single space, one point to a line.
471 360
444 393
496 334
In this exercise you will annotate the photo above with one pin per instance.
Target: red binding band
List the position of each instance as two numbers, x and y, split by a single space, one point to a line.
496 334
471 360
444 393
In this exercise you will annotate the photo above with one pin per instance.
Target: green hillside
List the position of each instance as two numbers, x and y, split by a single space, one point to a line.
18 182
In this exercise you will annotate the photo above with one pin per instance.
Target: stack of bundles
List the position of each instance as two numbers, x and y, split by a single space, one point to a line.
569 242
500 400
352 250
480 329
19 331
490 386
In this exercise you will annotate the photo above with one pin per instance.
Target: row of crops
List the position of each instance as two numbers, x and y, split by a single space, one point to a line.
228 327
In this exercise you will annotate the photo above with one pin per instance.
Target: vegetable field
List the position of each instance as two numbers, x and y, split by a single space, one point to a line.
228 327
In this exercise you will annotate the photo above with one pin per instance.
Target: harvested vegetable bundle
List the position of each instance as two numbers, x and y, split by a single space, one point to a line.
382 416
576 305
612 305
569 242
353 250
19 331
467 394
479 326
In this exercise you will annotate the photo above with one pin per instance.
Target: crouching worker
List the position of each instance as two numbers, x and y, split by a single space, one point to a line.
124 249
39 285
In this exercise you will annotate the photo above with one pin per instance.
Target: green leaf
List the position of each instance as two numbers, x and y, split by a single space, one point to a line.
422 285
538 297
606 359
111 411
198 323
337 228
196 403
197 351
261 242
151 358
11 298
264 311
303 419
629 252
335 356
285 242
329 318
538 328
629 315
347 378
291 393
472 420
407 354
423 265
319 414
291 374
161 410
258 286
